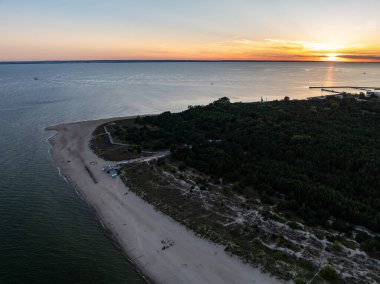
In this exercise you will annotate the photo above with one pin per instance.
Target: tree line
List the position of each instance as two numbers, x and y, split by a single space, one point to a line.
316 158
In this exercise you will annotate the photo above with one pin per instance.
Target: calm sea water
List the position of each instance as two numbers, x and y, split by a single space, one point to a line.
47 233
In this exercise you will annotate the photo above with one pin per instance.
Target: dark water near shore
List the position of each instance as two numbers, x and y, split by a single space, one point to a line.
47 233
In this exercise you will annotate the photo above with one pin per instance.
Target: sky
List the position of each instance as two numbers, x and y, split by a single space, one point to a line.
323 30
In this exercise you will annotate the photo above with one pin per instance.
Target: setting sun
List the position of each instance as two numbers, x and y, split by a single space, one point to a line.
332 57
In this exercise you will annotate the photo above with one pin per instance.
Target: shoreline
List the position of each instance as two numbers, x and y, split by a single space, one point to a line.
108 233
136 227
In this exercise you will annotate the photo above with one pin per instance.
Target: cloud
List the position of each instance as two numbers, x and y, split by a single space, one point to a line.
237 41
284 43
307 45
360 57
243 41
244 48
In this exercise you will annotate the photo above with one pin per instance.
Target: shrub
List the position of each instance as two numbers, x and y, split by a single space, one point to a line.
299 281
337 246
329 273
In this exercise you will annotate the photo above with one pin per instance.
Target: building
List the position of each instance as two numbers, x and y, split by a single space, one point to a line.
373 94
113 173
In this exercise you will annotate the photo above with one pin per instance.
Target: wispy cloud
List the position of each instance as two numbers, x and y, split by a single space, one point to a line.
324 50
360 57
307 45
236 41
243 41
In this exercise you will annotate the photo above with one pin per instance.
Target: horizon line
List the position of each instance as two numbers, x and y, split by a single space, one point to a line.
166 60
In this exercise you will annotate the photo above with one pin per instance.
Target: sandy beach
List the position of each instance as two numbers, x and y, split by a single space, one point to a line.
137 227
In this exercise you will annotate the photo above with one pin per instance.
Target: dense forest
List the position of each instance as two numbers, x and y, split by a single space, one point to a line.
316 158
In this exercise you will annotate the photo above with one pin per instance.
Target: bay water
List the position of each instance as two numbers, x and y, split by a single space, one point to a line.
48 234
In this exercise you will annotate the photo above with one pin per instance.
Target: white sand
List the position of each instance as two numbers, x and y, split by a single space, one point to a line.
137 226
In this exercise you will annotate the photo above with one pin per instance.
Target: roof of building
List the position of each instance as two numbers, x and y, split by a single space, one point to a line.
112 173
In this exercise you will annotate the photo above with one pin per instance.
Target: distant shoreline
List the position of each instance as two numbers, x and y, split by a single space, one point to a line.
171 61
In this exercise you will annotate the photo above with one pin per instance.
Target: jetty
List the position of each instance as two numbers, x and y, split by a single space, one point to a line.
330 91
366 92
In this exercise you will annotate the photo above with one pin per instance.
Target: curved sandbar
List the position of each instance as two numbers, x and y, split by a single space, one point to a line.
137 226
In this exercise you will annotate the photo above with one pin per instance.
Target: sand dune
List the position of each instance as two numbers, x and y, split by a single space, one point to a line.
139 229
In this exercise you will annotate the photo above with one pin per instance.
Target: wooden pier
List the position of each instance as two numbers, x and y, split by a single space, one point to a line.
331 91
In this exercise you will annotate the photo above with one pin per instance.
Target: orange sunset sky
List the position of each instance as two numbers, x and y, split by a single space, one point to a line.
334 30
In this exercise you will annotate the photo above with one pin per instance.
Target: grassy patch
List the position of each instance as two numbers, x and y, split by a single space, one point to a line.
101 145
185 206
